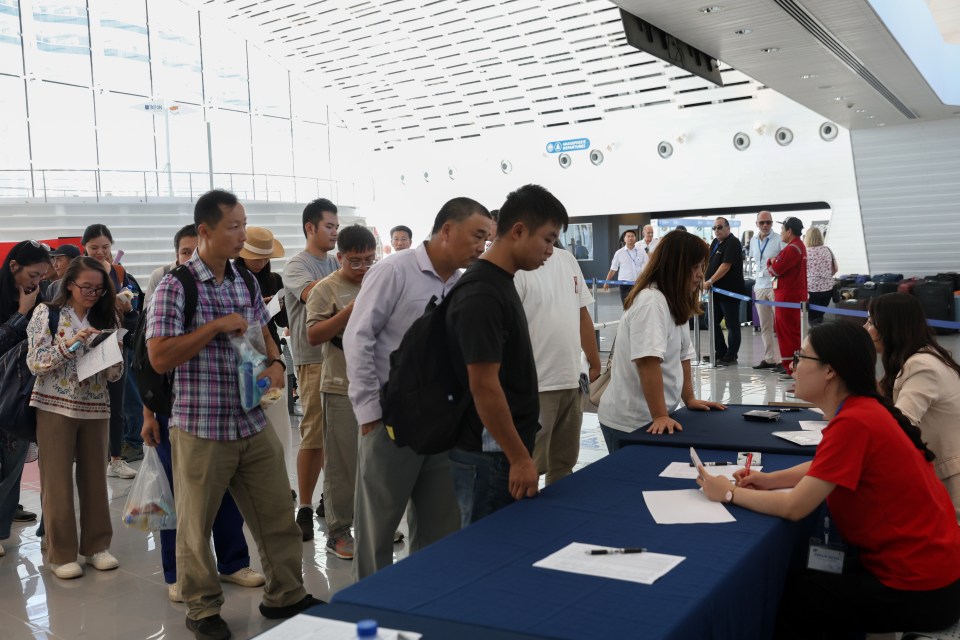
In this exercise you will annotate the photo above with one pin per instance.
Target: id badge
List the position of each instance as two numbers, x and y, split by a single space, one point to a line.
825 557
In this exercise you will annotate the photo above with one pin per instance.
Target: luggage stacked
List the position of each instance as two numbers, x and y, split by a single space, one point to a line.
935 294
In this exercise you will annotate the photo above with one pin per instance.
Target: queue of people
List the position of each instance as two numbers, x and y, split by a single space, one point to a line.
518 321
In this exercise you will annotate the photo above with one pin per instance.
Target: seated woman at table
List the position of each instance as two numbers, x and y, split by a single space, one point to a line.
921 378
876 475
650 372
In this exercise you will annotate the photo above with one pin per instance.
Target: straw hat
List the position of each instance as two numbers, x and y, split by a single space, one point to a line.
260 244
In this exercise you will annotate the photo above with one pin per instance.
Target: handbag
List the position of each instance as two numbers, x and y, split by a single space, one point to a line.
17 418
598 386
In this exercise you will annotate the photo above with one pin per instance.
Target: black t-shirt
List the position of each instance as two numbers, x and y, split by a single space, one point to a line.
730 250
487 321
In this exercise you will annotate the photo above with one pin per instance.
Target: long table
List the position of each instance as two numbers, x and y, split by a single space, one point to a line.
728 586
729 431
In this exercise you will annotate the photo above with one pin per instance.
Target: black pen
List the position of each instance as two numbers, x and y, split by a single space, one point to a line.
786 410
715 464
603 552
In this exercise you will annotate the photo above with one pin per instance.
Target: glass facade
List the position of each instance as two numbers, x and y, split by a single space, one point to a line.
147 98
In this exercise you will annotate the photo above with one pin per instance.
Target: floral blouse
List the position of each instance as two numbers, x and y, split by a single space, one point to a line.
819 268
57 388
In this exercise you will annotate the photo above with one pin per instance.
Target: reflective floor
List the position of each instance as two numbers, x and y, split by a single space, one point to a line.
131 602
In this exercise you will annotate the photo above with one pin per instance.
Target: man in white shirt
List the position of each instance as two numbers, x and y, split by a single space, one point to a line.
395 293
763 246
648 244
555 301
627 263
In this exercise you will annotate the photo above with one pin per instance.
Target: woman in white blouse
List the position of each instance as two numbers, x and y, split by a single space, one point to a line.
650 373
921 378
72 417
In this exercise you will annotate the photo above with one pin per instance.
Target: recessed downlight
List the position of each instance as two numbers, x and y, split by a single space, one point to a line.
770 50
861 110
743 32
808 76
711 9
840 98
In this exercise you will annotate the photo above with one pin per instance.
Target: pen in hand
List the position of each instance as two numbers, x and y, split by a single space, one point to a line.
746 467
603 552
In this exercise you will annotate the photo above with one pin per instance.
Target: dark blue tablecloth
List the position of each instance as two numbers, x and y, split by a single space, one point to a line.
728 586
729 431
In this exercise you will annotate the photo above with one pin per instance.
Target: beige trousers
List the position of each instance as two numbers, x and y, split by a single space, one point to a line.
558 441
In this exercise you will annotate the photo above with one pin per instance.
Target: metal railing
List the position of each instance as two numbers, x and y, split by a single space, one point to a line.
45 184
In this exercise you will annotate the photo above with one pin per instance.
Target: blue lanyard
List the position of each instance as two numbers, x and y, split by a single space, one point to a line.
719 246
763 246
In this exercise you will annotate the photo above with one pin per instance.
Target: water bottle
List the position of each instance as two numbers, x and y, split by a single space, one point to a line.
367 630
264 383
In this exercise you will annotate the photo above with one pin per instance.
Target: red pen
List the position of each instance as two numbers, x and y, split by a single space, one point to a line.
746 467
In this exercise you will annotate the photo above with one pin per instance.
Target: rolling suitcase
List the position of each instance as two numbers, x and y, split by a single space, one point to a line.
854 305
952 276
746 306
906 286
887 277
887 287
936 298
867 291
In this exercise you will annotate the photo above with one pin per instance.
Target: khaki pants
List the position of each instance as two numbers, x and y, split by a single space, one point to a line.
279 420
765 313
340 462
388 477
252 469
558 441
311 424
61 440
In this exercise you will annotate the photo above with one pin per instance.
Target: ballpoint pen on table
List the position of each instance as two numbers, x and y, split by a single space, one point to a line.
603 552
715 464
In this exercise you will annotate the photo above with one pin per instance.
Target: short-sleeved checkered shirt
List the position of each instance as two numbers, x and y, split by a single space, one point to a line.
207 398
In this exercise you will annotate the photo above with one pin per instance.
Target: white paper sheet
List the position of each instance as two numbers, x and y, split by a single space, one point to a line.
273 308
106 354
304 627
684 471
801 437
813 425
687 506
816 410
645 568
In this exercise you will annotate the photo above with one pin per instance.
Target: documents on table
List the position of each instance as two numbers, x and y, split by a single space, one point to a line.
804 438
686 506
816 410
306 627
684 471
814 425
104 355
645 568
273 307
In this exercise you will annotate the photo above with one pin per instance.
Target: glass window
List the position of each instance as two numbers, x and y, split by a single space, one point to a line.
14 151
121 47
310 150
125 137
224 67
11 55
269 86
62 42
231 141
175 51
61 126
271 145
188 141
307 104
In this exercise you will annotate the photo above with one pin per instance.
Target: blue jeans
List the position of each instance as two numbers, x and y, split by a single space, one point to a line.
132 405
12 454
481 481
613 437
228 541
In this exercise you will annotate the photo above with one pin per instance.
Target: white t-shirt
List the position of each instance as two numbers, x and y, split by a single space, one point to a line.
552 297
646 329
628 263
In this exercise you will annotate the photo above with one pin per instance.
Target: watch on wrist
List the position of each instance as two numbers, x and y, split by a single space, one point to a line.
280 360
728 498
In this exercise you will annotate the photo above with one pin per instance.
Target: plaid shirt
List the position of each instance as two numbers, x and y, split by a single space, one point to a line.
207 397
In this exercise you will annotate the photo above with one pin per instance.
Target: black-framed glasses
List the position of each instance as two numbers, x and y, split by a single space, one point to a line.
765 223
797 355
718 227
89 291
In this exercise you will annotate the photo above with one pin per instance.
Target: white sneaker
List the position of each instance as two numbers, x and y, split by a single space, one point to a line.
246 577
120 469
67 571
103 561
3 551
173 593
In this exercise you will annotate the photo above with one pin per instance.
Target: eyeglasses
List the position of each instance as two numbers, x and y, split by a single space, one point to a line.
360 264
718 228
797 355
89 291
765 223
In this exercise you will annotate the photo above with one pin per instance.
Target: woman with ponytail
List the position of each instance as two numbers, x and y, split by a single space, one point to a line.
921 378
875 473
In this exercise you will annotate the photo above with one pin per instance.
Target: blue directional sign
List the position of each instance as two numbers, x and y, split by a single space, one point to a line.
566 146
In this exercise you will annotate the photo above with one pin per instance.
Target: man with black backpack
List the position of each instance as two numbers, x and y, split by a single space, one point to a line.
395 293
492 463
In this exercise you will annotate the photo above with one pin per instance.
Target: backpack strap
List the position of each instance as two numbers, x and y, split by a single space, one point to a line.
53 320
249 281
190 292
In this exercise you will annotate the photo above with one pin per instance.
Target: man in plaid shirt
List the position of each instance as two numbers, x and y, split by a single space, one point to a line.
216 444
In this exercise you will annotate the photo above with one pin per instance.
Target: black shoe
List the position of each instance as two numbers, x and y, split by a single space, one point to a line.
277 613
211 628
321 511
765 365
293 494
22 515
727 359
305 522
780 369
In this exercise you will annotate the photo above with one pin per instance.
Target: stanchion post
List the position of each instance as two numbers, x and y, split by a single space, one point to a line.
710 327
804 319
596 313
696 342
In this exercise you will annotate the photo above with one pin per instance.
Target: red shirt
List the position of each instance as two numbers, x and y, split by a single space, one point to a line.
790 268
888 501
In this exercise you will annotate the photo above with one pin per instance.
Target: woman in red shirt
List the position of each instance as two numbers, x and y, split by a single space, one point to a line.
876 475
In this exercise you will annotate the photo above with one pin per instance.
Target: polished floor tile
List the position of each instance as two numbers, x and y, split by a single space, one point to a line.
131 602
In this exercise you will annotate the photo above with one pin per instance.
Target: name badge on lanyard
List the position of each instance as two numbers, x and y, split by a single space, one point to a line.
824 555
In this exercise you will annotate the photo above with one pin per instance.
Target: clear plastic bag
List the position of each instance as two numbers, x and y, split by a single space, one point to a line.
251 361
150 505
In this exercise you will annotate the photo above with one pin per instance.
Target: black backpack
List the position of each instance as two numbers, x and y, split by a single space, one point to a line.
156 389
425 396
17 418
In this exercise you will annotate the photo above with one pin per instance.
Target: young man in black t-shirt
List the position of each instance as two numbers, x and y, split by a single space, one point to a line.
725 271
492 464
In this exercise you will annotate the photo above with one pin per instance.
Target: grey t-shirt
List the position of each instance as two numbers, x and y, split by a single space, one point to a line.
301 270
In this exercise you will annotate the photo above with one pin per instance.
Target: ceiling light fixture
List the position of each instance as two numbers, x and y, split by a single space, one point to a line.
770 50
840 98
861 110
743 32
808 76
711 9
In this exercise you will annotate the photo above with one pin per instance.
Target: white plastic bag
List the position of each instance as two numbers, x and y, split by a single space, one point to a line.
251 358
150 504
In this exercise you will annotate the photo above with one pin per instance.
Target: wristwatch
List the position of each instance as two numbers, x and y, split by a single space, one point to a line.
728 498
280 360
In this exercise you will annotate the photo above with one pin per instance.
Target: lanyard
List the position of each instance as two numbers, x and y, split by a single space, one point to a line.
763 246
633 259
719 246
